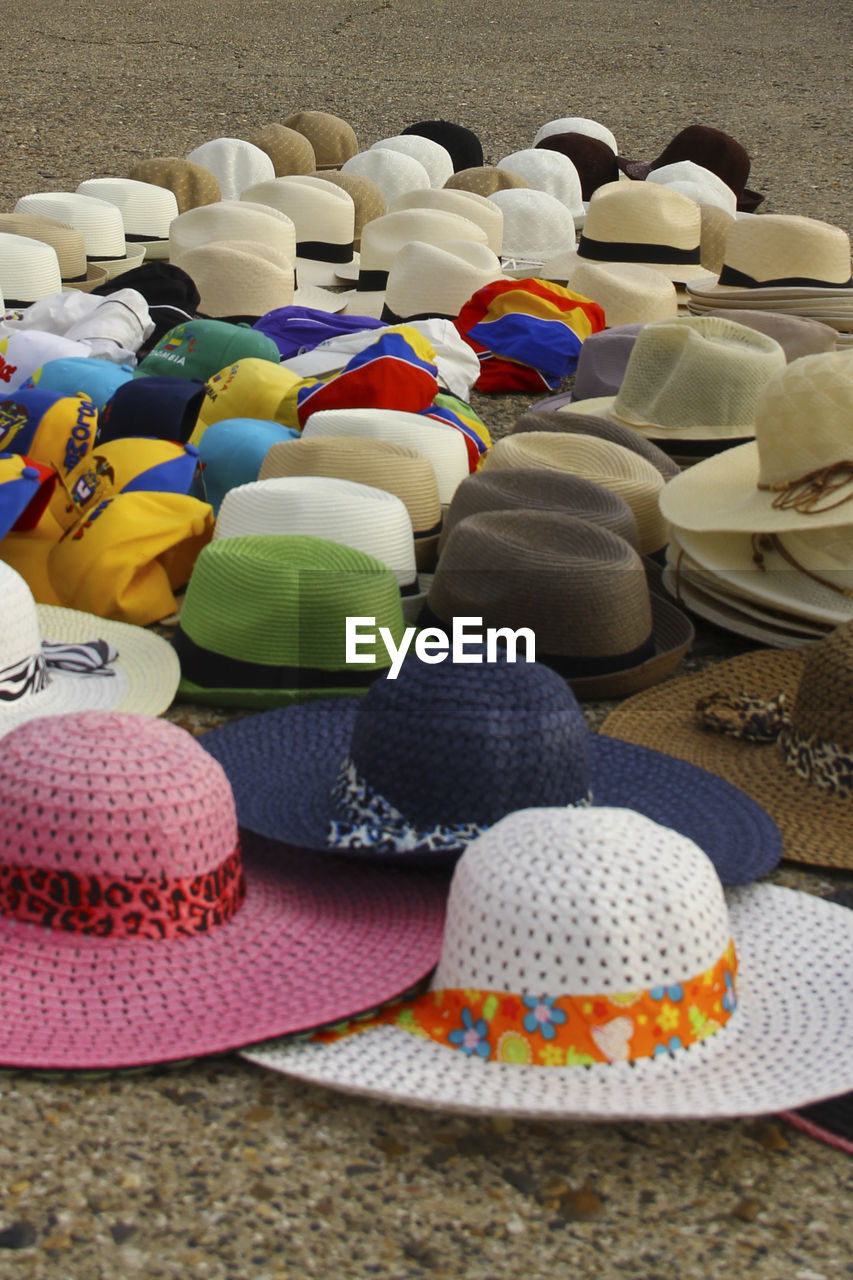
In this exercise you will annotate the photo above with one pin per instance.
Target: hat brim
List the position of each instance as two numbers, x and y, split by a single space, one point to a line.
95 276
291 802
673 635
117 266
677 272
728 614
315 271
304 948
721 494
815 823
146 677
319 299
605 407
781 1048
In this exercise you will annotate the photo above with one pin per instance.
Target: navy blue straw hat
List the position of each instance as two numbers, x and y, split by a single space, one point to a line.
466 149
166 408
422 764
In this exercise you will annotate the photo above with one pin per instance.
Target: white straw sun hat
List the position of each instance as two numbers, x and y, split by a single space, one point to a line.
435 158
465 204
392 171
439 442
234 163
29 269
577 124
146 210
628 292
239 278
593 968
437 279
697 182
67 242
797 473
785 254
141 674
323 216
537 226
552 172
99 222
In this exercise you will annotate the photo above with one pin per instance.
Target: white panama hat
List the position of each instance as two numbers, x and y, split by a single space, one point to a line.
577 938
465 204
235 164
29 269
323 216
435 158
437 279
142 676
577 124
391 170
628 292
537 226
99 222
697 182
146 210
552 172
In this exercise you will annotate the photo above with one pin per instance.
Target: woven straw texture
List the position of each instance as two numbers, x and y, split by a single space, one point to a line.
383 238
623 472
392 171
236 164
146 207
432 155
465 204
332 138
583 424
293 802
782 246
537 876
818 686
548 171
437 280
192 184
98 221
802 425
628 292
232 220
29 269
366 195
734 613
440 443
536 225
485 180
577 124
398 468
140 795
66 240
239 277
539 490
289 150
697 182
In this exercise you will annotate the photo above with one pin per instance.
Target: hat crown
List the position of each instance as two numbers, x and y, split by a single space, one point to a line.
644 214
802 418
823 707
289 150
549 171
697 371
577 124
113 794
452 743
333 139
581 902
787 246
20 637
536 224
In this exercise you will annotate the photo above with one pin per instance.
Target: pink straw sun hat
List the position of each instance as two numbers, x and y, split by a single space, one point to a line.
132 930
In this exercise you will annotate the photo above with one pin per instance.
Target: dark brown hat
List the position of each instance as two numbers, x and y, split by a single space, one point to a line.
711 148
593 159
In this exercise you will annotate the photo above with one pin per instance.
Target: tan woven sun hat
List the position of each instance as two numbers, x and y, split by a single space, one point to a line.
465 204
623 472
645 223
806 574
691 381
580 588
382 464
577 124
235 163
289 150
332 138
798 763
788 254
191 184
239 278
795 475
601 428
366 196
435 158
536 489
99 222
628 292
716 224
67 242
437 279
29 269
485 180
382 240
439 442
147 210
323 216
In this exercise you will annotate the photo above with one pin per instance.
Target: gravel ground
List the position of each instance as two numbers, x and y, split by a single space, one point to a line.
219 1170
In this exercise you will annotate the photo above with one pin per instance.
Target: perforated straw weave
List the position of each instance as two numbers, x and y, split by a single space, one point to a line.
332 138
549 171
435 158
577 124
465 204
555 905
132 804
289 150
235 163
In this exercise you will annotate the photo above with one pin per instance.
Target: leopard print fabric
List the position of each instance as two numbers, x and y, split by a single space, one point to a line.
123 906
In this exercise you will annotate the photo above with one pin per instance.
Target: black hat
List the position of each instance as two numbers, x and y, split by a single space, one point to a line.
466 150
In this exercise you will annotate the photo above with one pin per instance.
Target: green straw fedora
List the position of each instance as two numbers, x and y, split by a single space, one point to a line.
264 621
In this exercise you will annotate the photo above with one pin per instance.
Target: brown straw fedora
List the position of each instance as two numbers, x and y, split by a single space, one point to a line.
587 424
580 588
777 724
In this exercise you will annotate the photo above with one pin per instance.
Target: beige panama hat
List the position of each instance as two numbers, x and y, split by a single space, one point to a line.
147 210
485 180
797 473
577 124
99 222
382 240
623 472
443 445
289 150
437 279
366 196
778 725
790 255
332 138
552 172
690 380
191 184
435 158
628 292
465 204
235 163
645 223
323 216
239 278
66 240
697 182
716 223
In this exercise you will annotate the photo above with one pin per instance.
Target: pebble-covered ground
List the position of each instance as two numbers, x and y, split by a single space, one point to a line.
218 1170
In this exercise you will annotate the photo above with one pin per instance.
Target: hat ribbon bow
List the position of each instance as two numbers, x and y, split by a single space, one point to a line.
31 675
816 760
